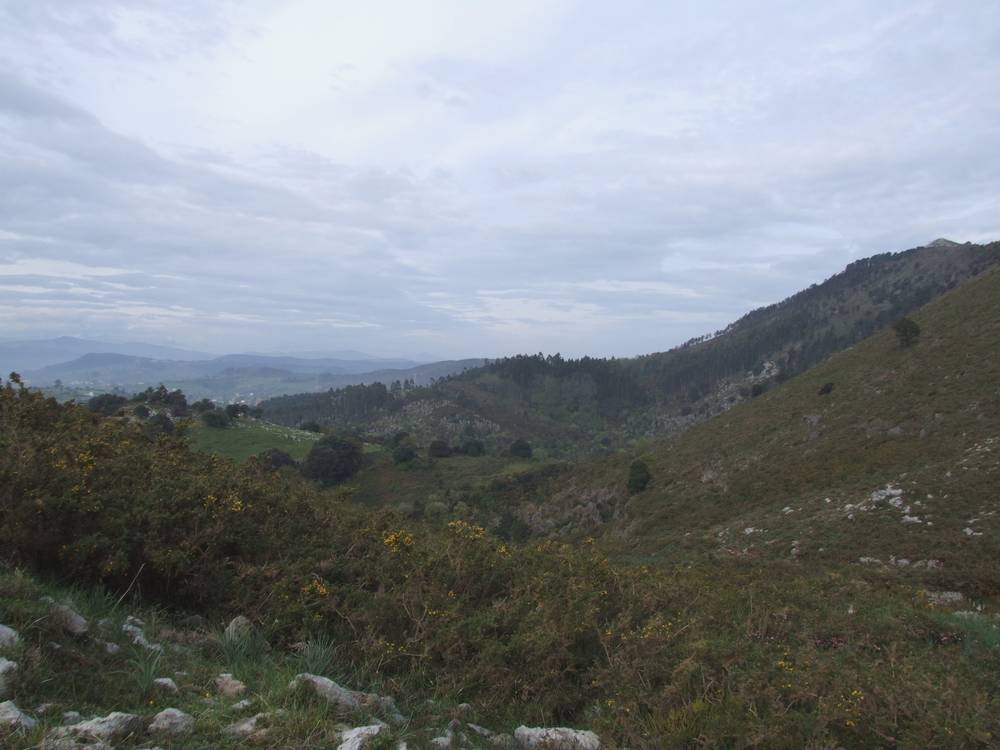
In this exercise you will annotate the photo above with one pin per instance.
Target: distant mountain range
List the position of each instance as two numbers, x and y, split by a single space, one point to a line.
80 366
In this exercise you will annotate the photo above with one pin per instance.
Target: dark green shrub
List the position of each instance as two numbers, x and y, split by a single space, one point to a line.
520 448
473 448
638 477
216 419
234 411
274 459
439 449
107 404
158 424
141 411
203 405
404 452
907 331
311 426
333 459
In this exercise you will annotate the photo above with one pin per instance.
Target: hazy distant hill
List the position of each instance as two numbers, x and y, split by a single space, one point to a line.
248 377
22 356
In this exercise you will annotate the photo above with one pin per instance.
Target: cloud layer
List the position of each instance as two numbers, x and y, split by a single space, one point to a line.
470 178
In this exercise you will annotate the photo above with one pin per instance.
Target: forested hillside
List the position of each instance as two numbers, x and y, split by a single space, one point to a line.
593 403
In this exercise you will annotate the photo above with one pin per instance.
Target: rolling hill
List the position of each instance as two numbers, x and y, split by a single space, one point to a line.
247 377
591 404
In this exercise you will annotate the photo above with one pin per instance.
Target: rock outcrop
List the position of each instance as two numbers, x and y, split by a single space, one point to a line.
8 671
351 700
114 727
8 637
14 718
172 722
357 738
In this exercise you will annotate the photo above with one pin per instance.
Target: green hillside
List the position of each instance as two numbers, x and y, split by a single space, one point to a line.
803 466
589 404
247 437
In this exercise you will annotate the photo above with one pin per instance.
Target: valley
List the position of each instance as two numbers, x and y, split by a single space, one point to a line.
543 542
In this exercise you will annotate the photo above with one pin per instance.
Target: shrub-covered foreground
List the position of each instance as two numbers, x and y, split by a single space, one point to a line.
724 655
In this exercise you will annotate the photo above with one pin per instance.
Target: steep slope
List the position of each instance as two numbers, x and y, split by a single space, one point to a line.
883 455
591 403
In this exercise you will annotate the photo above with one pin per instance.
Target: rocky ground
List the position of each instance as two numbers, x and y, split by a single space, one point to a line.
179 685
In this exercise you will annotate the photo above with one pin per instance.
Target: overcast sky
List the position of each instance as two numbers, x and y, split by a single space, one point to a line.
474 178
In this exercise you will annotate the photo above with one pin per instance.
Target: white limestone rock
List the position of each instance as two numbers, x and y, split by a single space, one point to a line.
8 637
172 723
14 718
228 686
556 738
8 671
112 728
166 685
358 738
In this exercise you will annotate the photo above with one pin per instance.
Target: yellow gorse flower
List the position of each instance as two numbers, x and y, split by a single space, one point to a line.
466 530
397 540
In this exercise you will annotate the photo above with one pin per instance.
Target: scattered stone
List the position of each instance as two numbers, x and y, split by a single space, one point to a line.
13 717
352 700
114 727
911 519
969 531
71 717
44 708
69 743
8 671
111 648
242 705
557 738
357 738
944 598
228 686
502 740
445 740
8 637
238 629
166 685
133 628
70 620
869 561
172 723
481 731
247 728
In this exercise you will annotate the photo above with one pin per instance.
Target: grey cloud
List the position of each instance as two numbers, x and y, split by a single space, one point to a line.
646 173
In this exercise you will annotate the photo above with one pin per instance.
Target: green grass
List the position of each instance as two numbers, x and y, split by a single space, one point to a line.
465 484
80 675
248 437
